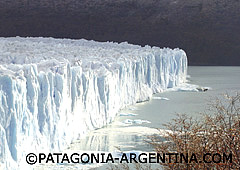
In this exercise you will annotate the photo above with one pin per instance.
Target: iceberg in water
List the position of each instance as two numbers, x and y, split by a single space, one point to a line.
53 91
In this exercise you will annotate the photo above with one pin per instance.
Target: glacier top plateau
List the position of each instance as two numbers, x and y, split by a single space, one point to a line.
54 91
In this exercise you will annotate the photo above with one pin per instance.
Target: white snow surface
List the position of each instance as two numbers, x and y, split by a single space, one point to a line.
54 91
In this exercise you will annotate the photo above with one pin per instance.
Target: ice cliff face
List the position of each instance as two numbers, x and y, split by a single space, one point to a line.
53 91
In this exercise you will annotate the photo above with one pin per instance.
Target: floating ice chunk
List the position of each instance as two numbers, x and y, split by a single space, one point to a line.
160 98
136 121
128 114
186 87
132 108
203 89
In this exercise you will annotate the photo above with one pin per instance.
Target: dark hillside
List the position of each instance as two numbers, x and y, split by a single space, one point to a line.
208 30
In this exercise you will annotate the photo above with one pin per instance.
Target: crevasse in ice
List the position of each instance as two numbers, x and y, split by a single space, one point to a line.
53 91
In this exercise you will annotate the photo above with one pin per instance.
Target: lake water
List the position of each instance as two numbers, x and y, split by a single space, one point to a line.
130 132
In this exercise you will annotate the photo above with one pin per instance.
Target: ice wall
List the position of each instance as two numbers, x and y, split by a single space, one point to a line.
53 91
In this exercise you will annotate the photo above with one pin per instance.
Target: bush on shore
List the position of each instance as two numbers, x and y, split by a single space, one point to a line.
217 133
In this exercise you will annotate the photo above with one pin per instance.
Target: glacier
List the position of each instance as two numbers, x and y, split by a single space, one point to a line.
54 91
